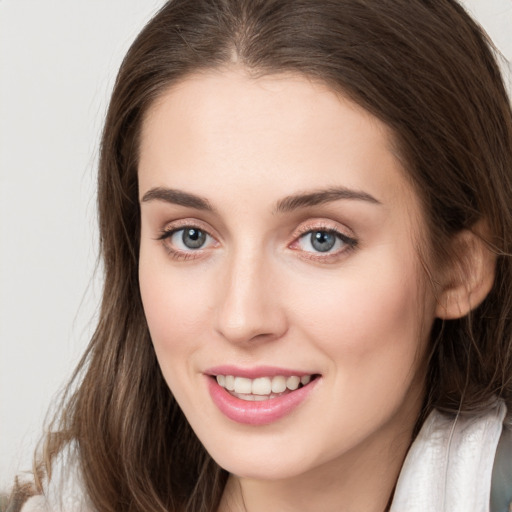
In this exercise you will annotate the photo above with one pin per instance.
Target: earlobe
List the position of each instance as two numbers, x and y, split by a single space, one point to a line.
470 276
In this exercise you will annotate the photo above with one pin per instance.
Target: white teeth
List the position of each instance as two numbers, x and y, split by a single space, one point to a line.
243 385
255 398
305 380
246 397
292 382
278 384
230 382
261 388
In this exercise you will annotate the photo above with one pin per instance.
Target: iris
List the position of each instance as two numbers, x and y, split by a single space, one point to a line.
323 241
193 238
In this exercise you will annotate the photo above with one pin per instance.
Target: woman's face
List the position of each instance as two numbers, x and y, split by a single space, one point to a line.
278 246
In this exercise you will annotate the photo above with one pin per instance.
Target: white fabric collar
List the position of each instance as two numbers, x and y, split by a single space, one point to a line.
449 465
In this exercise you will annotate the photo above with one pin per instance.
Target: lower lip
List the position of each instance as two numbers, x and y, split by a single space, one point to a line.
257 413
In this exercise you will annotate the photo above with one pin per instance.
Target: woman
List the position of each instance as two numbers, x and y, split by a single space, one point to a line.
305 217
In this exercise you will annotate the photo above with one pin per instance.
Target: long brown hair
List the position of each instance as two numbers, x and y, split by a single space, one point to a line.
424 68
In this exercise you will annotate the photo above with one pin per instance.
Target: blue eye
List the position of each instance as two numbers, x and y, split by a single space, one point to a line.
193 238
324 241
186 239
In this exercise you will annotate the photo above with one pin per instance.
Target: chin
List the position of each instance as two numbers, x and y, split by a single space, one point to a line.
268 457
265 469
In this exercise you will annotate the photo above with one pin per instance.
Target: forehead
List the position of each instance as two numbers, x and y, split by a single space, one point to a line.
227 128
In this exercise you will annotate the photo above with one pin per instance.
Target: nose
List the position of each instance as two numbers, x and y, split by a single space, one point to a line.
249 305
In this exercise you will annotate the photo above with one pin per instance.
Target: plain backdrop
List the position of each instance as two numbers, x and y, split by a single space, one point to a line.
58 61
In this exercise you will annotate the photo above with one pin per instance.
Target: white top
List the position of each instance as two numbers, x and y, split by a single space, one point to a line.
450 464
447 469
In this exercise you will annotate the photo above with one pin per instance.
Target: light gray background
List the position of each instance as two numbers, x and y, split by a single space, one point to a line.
58 60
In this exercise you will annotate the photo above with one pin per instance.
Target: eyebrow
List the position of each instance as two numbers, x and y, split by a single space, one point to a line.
318 197
178 197
287 204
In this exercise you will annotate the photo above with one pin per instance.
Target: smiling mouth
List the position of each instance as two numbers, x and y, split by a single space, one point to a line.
262 388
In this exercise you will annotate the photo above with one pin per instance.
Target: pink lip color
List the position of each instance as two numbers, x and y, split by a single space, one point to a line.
257 413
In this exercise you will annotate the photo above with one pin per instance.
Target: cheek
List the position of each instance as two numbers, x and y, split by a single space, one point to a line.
175 315
374 318
373 330
175 306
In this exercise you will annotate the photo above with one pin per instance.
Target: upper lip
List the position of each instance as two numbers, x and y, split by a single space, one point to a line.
255 371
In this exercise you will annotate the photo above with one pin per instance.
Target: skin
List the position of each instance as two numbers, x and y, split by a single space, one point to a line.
258 293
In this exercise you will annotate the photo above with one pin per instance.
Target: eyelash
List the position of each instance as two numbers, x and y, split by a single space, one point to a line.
178 254
349 242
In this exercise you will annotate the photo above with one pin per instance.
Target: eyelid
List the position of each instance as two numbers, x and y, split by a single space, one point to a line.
323 225
189 222
186 222
173 227
313 225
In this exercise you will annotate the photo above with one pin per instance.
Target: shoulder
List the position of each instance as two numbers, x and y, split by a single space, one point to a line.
64 490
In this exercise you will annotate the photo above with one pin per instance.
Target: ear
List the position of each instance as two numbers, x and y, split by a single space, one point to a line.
469 276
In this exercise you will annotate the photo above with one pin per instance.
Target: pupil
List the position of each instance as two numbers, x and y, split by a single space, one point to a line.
193 238
323 241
